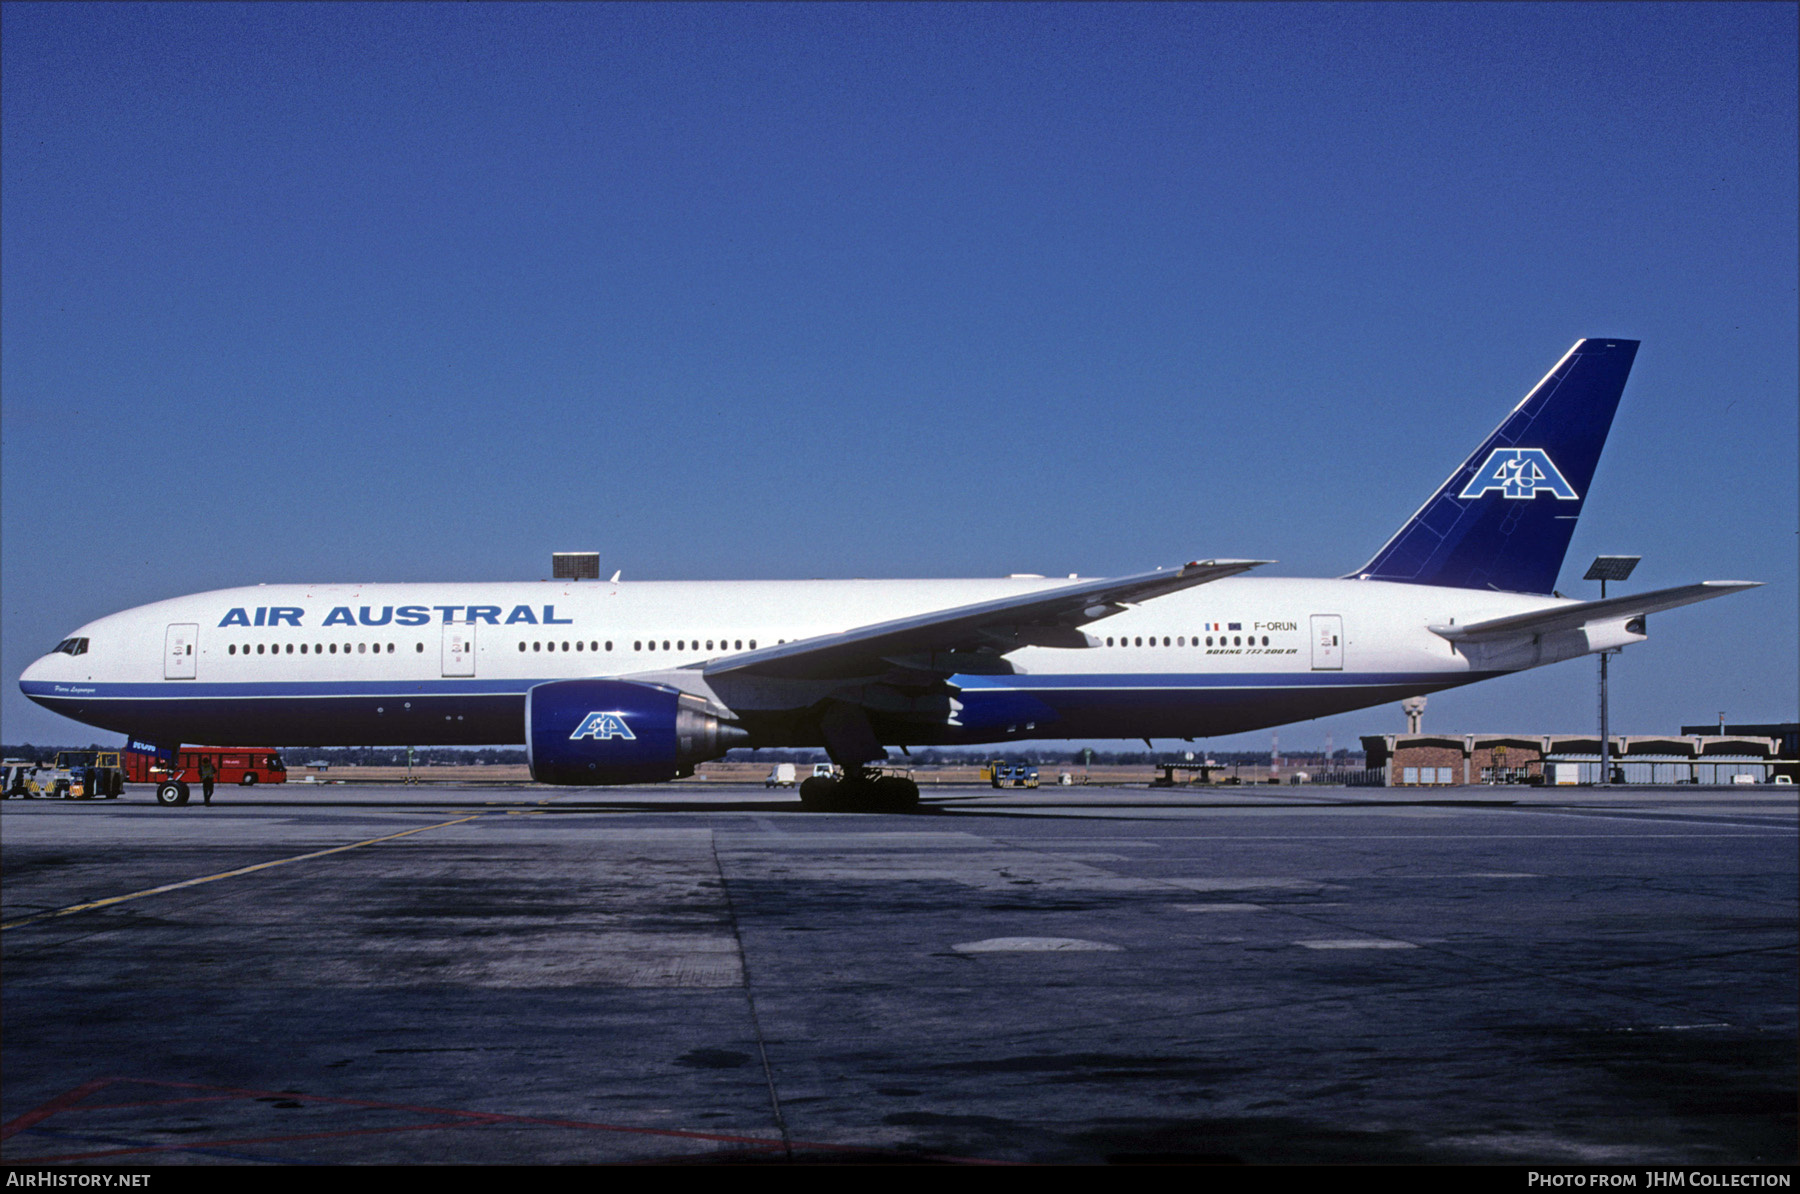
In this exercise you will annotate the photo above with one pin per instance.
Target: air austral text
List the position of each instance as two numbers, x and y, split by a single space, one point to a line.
405 615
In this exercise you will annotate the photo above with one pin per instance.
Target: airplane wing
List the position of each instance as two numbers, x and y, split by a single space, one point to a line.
1574 617
970 638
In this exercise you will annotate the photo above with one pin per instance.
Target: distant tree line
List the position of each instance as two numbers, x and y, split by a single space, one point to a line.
44 754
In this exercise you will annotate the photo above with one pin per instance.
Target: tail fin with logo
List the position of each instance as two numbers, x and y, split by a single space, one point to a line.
1504 518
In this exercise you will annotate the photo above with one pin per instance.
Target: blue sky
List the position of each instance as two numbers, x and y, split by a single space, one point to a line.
417 292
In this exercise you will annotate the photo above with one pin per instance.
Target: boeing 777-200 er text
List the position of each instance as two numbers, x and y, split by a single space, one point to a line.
615 683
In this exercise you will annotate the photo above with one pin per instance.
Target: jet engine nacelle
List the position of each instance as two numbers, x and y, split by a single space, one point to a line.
591 732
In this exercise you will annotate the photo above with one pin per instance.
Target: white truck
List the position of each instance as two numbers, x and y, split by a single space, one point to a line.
781 777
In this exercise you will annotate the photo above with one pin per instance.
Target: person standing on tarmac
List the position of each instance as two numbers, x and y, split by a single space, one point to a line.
208 773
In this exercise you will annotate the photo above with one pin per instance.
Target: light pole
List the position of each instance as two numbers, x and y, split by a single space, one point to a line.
1603 569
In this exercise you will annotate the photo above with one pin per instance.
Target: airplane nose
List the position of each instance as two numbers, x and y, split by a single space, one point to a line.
43 669
31 677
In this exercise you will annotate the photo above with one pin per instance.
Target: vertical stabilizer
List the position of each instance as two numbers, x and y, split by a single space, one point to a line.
1504 518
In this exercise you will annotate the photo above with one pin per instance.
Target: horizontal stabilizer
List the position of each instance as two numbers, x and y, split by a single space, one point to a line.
1583 613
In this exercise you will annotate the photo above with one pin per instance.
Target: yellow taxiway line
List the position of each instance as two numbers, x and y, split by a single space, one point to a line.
246 870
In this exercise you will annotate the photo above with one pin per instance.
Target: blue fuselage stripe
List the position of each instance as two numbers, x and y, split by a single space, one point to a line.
477 712
1041 686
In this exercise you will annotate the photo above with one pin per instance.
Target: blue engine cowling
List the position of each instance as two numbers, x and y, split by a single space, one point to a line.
591 732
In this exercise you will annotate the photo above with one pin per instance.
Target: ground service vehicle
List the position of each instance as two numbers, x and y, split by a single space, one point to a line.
93 773
245 766
42 780
781 777
17 778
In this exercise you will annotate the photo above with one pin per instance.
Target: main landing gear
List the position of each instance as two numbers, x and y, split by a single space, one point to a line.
861 790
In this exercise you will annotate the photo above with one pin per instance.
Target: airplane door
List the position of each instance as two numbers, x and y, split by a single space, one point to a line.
459 648
178 651
1327 643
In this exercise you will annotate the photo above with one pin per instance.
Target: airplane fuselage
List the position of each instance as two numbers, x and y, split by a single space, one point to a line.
426 664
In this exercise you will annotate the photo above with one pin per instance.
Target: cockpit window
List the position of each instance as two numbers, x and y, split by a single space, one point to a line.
71 646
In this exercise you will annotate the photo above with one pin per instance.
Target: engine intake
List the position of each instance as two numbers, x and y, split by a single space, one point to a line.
593 732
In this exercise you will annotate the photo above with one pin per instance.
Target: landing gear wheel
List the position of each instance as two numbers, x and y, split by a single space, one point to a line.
893 794
860 794
172 793
819 794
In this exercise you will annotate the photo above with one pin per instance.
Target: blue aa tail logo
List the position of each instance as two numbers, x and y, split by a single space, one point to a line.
1518 473
602 726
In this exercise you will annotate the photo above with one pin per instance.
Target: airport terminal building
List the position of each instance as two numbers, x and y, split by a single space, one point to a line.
1698 755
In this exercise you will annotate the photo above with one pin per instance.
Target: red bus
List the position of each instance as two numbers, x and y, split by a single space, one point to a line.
242 765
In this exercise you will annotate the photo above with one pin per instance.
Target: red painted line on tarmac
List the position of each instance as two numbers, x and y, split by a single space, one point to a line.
61 1102
461 1118
157 1103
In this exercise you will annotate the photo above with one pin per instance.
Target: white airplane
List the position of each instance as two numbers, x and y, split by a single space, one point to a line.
615 682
